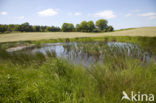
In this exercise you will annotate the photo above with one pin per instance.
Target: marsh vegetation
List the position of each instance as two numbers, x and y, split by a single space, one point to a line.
41 74
87 53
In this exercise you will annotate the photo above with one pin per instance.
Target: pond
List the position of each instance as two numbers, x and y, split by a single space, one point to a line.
89 53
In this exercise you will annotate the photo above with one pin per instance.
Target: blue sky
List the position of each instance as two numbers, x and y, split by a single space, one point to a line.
119 13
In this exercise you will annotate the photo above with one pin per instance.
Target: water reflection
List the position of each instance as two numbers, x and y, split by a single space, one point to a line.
89 53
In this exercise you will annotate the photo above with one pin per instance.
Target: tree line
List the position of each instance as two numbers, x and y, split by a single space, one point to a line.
101 25
26 27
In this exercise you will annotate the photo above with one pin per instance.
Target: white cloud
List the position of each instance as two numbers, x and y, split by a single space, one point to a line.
77 13
108 14
48 12
129 14
3 13
150 15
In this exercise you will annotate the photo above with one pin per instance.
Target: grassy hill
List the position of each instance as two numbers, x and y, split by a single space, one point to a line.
144 31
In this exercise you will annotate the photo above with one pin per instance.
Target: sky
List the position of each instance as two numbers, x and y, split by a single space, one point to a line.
119 13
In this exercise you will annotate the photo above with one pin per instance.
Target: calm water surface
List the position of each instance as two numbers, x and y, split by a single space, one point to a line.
89 53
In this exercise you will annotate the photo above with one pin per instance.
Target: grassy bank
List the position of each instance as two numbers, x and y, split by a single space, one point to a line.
34 78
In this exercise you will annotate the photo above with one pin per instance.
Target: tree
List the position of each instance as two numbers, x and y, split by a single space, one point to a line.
67 27
3 28
43 28
84 26
91 26
52 29
55 29
96 30
11 27
25 27
78 27
102 24
110 28
16 28
36 28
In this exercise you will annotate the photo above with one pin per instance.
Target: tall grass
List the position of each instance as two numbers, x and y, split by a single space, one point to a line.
38 78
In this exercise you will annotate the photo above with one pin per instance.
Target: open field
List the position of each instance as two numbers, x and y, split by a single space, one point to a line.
145 31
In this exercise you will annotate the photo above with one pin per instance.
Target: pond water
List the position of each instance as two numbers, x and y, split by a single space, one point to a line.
88 53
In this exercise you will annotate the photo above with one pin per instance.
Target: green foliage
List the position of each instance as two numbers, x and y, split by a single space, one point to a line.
96 30
11 28
26 27
57 81
36 28
91 26
67 27
84 26
77 28
53 29
110 28
102 24
43 28
3 28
